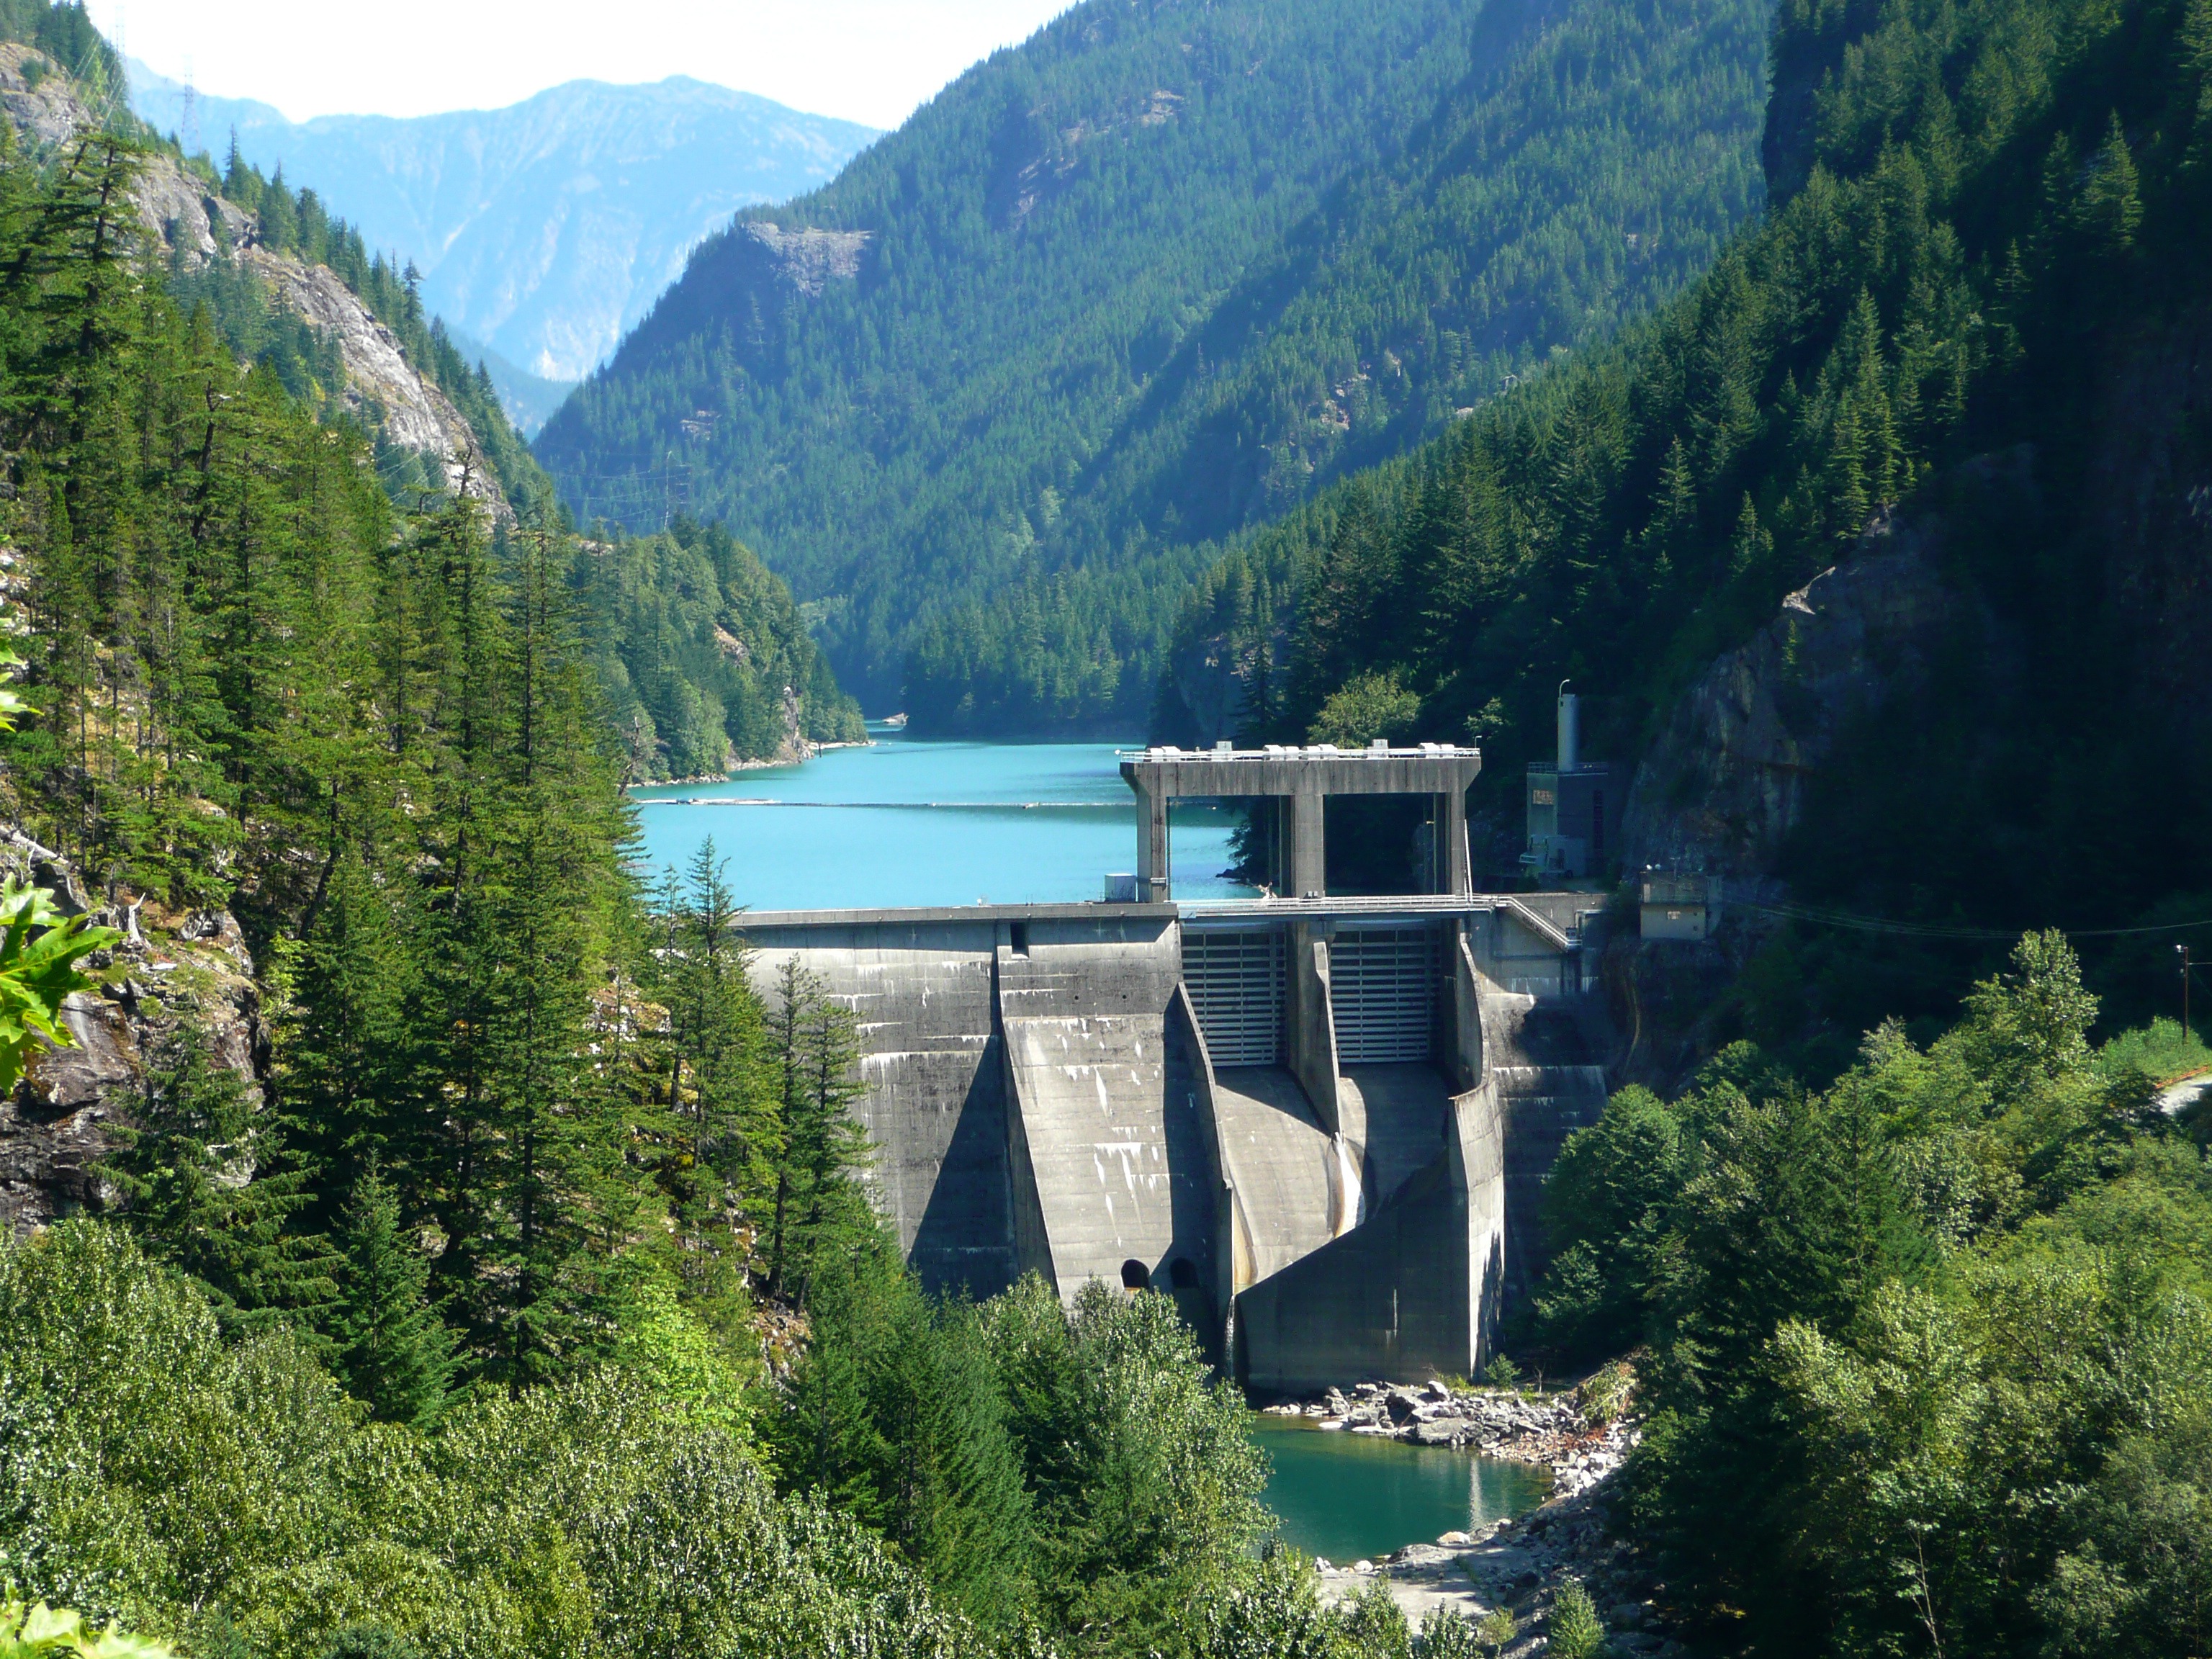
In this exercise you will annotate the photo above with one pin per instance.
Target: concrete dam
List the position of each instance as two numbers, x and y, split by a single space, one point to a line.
1321 1124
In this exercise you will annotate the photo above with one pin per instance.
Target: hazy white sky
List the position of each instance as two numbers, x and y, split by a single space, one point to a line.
866 60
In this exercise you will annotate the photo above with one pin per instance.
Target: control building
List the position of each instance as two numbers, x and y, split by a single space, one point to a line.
1574 809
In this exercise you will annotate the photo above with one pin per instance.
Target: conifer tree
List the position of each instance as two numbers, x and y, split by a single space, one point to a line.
818 1207
894 1413
206 1186
729 1132
347 1071
2111 203
393 1352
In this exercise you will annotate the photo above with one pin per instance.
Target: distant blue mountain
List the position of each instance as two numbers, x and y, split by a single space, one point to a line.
546 229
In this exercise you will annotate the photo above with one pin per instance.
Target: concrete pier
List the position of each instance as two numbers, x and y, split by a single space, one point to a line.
1303 779
1357 1195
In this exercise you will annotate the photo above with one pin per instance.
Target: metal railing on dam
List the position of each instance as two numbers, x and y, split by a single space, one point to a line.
1319 1124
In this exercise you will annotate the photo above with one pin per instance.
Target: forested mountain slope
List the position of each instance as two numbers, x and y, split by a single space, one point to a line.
547 228
1962 360
1156 274
703 657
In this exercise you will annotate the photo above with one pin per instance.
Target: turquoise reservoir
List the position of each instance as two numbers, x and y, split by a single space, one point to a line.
910 821
1347 1496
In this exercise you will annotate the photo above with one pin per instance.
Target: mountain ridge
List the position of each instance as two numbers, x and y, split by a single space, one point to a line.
543 228
990 461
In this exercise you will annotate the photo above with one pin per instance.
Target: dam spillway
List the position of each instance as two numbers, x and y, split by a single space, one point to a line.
1321 1124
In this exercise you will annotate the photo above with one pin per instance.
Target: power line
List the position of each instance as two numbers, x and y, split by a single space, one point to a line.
1845 919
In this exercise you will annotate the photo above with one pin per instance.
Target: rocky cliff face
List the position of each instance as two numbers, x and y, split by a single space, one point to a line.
2149 483
2102 564
180 216
380 383
1727 780
808 261
169 971
1205 692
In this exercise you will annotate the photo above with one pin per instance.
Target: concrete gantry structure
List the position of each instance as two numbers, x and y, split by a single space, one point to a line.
1321 1125
1306 778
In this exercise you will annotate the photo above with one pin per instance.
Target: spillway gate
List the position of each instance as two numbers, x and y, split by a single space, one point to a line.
1235 978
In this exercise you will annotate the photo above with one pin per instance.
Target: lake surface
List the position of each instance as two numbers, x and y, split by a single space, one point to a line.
912 821
1347 1496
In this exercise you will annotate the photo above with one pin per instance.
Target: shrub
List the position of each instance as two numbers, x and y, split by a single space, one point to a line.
1608 1392
1576 1632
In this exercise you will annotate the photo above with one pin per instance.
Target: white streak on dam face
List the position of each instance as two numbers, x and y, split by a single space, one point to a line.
1122 1151
879 1062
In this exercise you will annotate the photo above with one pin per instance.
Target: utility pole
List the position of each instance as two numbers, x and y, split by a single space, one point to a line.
2184 950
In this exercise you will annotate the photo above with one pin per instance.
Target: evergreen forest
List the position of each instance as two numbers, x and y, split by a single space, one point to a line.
704 658
1952 335
1153 276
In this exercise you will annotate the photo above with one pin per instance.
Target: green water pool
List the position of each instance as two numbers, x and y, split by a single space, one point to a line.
1346 1496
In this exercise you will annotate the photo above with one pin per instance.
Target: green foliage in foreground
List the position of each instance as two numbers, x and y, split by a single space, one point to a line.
225 1492
40 951
40 1632
230 1494
1931 1350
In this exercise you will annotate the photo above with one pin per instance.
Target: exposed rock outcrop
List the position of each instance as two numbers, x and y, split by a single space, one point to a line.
61 1122
42 104
2149 499
1727 780
182 217
809 260
380 381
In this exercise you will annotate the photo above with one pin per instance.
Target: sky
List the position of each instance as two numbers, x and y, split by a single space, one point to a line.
872 61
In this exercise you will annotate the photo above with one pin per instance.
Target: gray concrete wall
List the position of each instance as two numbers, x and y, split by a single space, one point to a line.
1205 1307
935 1105
1108 1088
1547 1087
1281 1166
1394 1123
1516 958
1450 1238
1310 1036
1478 1149
1388 1300
1463 994
1054 1107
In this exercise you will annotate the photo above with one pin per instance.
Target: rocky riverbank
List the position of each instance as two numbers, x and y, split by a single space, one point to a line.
1498 1423
1520 1565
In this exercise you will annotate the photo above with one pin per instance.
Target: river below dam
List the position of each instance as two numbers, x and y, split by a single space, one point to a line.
915 821
1347 1496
